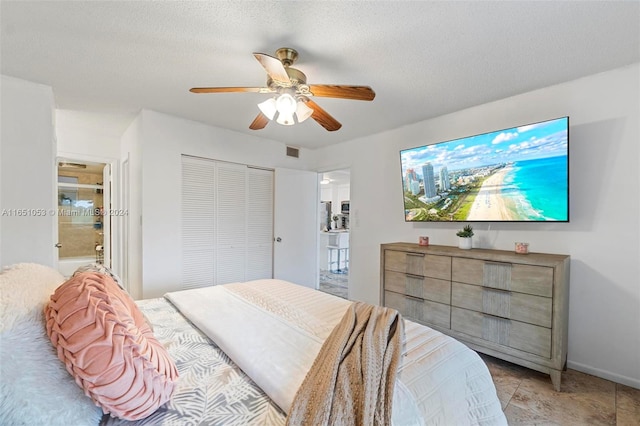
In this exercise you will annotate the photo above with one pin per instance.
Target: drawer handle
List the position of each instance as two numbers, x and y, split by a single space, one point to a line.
487 288
496 316
416 254
490 262
418 277
414 298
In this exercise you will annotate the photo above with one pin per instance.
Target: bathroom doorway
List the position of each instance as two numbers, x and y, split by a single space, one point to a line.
84 230
334 227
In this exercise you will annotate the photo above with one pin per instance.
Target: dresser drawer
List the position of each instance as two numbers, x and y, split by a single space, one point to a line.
433 289
529 279
422 311
506 332
507 304
425 265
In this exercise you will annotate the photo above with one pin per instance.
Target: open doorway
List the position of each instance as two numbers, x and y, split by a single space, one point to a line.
84 230
334 228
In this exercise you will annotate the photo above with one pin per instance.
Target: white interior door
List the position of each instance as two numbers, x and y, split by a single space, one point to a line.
125 221
259 263
107 216
295 227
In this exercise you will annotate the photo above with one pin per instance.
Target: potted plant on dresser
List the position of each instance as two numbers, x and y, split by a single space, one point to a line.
464 237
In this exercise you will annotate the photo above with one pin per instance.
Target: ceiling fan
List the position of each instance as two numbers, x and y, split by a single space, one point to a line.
292 93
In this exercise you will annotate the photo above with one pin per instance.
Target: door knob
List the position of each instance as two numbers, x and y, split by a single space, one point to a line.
58 245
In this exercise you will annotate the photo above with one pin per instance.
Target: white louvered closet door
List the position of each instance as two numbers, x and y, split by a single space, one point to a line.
227 222
198 222
259 224
231 222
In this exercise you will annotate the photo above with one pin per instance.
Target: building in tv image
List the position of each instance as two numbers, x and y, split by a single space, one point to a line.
519 174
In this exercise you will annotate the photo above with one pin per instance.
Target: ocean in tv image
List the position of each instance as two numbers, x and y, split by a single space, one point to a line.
516 174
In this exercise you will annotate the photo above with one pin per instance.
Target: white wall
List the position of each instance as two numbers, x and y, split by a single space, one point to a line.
87 134
27 171
602 237
164 139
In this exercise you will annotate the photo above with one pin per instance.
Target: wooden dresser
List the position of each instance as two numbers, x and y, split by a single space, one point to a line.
511 306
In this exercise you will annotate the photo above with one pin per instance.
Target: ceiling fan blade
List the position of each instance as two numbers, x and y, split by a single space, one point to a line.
359 93
229 89
259 122
322 117
274 67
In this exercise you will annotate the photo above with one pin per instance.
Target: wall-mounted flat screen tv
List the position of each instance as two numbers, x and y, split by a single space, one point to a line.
519 174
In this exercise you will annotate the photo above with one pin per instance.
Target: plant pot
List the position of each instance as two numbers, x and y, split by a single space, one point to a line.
464 243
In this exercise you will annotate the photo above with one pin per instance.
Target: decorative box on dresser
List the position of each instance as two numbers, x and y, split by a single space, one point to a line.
511 306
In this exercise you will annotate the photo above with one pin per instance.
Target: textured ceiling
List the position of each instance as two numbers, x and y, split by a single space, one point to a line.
423 59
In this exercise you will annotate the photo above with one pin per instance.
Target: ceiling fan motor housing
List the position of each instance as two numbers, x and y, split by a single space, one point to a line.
296 78
287 56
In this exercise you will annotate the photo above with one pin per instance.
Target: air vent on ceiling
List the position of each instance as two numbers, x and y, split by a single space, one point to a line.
293 152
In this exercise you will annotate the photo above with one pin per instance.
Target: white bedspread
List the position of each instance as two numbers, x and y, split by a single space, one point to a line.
273 331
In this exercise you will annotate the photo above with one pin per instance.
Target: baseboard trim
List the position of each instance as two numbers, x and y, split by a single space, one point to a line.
629 381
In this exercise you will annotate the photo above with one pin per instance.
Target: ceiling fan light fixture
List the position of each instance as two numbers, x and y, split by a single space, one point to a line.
286 104
268 108
303 111
285 119
283 108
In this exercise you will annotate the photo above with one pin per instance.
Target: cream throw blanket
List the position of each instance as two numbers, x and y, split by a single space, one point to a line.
352 378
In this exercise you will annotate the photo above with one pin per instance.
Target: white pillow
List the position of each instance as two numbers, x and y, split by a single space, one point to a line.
35 387
24 289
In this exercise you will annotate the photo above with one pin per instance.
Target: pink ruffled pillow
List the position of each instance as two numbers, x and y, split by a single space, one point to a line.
108 347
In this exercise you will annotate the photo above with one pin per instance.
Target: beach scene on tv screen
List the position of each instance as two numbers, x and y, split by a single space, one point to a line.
516 174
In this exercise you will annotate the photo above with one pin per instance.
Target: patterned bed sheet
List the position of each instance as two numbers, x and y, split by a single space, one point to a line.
212 390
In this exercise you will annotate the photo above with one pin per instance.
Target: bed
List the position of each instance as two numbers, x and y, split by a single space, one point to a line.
241 350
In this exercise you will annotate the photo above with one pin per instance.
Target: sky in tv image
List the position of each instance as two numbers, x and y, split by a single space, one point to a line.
516 174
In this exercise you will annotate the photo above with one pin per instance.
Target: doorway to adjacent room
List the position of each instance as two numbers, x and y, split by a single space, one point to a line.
334 226
84 230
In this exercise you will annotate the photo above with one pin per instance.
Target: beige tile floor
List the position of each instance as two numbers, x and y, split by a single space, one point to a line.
528 398
335 284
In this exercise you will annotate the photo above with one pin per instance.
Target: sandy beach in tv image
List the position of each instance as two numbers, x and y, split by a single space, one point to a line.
489 203
516 174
